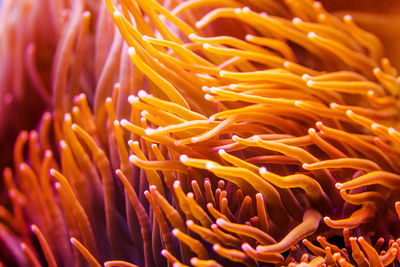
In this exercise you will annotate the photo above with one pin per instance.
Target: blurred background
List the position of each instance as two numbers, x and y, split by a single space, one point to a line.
381 17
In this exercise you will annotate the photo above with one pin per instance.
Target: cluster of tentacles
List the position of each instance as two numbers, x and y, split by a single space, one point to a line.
206 133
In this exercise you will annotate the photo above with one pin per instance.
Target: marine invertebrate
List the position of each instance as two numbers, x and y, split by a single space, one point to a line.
261 145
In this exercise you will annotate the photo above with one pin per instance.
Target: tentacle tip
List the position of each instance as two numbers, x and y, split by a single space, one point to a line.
152 188
22 246
183 158
149 131
263 170
144 113
175 232
133 99
306 77
177 142
246 9
131 142
233 86
237 10
108 100
249 37
142 93
287 64
333 105
208 97
221 152
310 83
124 123
347 18
194 261
213 89
154 146
146 38
259 195
131 51
352 238
34 228
339 186
220 221
116 13
312 35
57 185
48 153
245 246
376 70
298 103
192 36
52 172
210 165
133 158
164 252
216 247
79 97
206 46
176 184
75 109
62 144
296 20
375 126
205 88
75 127
116 123
199 24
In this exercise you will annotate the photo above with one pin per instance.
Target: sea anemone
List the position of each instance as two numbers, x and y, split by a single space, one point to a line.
202 133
